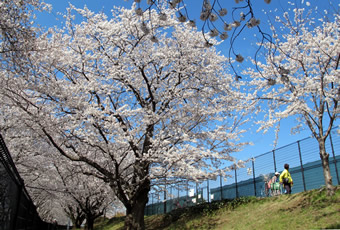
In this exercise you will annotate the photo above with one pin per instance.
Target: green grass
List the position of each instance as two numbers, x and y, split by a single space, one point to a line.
306 210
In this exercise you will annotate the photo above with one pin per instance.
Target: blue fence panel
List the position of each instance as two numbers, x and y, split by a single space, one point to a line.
305 167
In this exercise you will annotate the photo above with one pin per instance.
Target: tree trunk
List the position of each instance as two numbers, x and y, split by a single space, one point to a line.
78 223
326 170
134 219
76 216
89 223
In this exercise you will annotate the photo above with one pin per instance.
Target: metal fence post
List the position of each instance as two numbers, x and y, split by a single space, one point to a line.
208 190
172 199
196 193
152 204
254 180
336 168
15 220
274 161
164 200
302 172
178 199
236 182
221 189
187 198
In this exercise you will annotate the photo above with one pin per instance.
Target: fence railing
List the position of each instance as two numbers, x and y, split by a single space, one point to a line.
305 168
17 210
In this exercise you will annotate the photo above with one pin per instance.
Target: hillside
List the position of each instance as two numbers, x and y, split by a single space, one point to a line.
306 210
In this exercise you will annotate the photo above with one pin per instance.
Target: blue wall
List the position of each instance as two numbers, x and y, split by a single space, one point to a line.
313 175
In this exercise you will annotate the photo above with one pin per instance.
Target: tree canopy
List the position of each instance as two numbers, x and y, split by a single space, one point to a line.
300 78
133 104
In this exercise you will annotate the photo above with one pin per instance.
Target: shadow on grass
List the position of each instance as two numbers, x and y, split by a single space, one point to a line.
333 226
116 220
179 218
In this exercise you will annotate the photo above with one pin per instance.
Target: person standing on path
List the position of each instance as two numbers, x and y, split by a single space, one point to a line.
275 185
286 180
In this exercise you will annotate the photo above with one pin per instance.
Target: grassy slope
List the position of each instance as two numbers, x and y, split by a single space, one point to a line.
306 210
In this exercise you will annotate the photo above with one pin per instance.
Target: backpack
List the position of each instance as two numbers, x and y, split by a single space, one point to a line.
285 181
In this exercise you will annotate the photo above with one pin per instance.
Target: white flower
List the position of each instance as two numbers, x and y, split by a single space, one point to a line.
253 22
204 15
223 12
236 24
207 5
139 11
227 27
239 58
144 28
154 39
271 81
213 17
208 44
172 5
182 18
162 17
237 78
214 33
192 23
284 78
283 71
224 36
242 16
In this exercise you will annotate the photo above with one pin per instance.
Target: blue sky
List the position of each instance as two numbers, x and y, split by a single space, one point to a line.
245 45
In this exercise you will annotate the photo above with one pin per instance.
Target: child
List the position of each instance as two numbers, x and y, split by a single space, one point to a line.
275 185
286 180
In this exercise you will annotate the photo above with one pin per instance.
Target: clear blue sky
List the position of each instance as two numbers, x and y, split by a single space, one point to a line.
245 45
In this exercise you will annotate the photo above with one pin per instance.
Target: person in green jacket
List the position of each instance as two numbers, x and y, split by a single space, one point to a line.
275 184
286 179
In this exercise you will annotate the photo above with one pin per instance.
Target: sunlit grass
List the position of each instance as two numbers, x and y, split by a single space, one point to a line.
306 210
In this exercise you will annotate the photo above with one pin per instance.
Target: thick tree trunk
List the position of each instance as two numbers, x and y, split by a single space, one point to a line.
134 219
78 221
76 225
76 216
89 223
326 170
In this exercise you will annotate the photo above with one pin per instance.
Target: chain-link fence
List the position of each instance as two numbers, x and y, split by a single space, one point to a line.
305 168
17 210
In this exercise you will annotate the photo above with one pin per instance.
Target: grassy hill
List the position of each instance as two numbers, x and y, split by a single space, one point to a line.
306 210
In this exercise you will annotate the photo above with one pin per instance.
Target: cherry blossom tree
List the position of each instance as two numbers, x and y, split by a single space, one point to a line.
86 196
75 213
5 208
15 24
17 31
134 100
300 78
57 187
226 20
48 204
